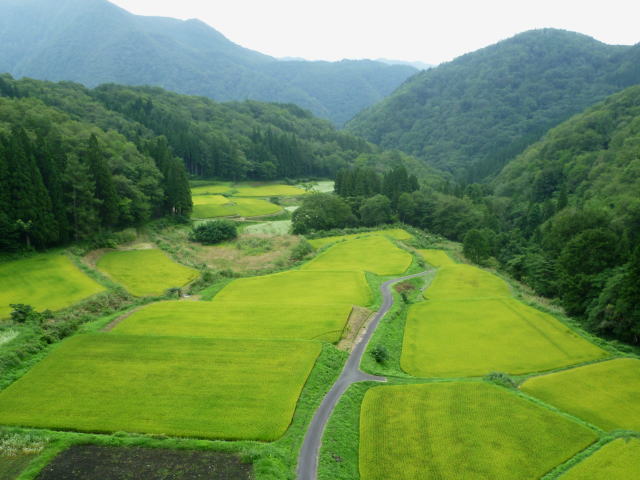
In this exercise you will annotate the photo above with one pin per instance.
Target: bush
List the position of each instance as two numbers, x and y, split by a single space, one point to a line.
213 232
301 250
380 353
501 379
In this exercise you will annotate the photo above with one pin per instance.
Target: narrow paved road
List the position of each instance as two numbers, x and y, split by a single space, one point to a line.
308 459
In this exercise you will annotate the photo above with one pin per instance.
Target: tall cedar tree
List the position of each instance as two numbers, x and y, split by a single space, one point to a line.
105 190
82 206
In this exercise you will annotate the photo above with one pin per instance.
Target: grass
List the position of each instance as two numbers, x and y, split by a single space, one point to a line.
617 460
247 189
238 320
605 394
195 387
461 430
436 258
395 233
145 272
462 281
279 227
475 337
296 287
376 254
44 281
212 206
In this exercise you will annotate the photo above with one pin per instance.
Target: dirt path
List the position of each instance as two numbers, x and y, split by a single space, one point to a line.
308 459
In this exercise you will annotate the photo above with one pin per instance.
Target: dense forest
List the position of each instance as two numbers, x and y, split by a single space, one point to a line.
95 42
563 217
474 114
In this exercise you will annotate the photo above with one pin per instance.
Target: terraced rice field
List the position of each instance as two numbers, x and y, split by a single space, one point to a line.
277 227
605 394
196 387
395 233
44 281
249 190
475 337
212 206
436 258
238 320
456 282
461 430
618 460
297 287
375 253
145 272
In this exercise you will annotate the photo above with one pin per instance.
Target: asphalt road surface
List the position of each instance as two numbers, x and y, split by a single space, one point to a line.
308 459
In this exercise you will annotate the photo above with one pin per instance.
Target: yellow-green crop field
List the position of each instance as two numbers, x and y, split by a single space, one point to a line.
462 281
605 394
462 430
297 287
375 253
196 387
238 320
436 258
618 460
145 272
395 233
463 338
249 190
212 206
44 281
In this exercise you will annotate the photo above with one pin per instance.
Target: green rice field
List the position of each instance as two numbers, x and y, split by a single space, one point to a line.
145 272
296 287
461 430
248 190
618 460
436 258
195 387
475 337
374 253
462 281
605 393
44 281
238 320
395 233
212 206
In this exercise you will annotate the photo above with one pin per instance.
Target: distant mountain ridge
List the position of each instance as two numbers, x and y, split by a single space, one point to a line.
474 114
94 42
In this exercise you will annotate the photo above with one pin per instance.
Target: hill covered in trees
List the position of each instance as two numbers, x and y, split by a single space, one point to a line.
94 42
474 114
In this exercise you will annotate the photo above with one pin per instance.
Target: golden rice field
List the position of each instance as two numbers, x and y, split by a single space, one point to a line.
436 258
212 206
460 281
605 393
248 190
395 233
618 460
461 431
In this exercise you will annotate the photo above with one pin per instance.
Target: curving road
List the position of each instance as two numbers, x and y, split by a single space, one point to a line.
308 459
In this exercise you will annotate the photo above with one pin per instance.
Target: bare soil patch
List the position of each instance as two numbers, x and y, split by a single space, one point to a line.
358 319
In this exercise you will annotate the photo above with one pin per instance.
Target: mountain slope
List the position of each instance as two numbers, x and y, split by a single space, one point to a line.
94 42
472 115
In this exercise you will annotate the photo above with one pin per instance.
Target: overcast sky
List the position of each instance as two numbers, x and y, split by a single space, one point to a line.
414 30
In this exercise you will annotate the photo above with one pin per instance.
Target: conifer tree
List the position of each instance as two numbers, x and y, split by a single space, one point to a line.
81 202
105 191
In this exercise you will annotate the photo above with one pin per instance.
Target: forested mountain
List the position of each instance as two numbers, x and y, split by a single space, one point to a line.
472 115
94 42
130 148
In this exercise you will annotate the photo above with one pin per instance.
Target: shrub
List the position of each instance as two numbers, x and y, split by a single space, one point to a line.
215 231
501 379
301 250
380 353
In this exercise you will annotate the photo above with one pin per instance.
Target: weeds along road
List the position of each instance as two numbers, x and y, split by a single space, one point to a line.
308 459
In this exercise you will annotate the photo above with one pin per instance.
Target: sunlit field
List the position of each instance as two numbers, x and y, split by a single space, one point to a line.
618 460
212 206
461 281
395 233
436 258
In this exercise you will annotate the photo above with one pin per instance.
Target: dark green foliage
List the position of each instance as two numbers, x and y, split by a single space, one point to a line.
95 42
474 114
380 353
21 313
214 231
105 191
301 250
476 246
322 211
501 379
376 211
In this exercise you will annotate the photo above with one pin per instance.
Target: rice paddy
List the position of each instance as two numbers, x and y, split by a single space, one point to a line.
605 394
44 281
395 233
277 227
248 189
461 430
212 206
455 282
145 272
374 253
618 460
238 320
196 387
296 287
436 258
475 337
